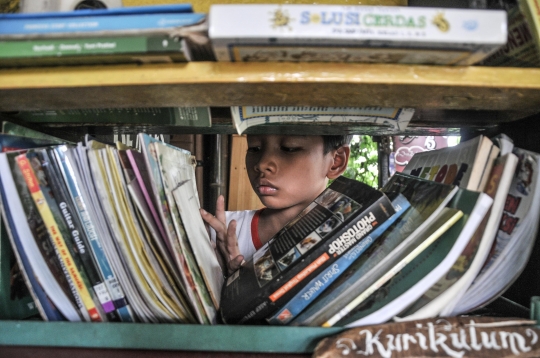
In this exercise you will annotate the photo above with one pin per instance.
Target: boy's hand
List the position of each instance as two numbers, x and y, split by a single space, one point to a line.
228 253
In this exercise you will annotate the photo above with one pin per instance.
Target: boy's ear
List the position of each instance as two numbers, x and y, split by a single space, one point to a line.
340 161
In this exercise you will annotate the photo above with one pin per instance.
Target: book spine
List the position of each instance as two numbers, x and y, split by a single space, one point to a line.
323 280
89 46
58 240
94 241
321 258
95 24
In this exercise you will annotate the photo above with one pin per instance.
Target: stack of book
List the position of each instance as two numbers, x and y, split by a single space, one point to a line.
146 34
104 233
464 223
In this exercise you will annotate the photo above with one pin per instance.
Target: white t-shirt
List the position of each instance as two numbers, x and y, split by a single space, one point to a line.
244 226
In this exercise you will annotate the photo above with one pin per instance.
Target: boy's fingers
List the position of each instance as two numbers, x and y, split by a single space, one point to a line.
235 263
214 222
220 209
232 241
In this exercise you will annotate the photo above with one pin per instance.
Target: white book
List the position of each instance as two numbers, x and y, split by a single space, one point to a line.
334 33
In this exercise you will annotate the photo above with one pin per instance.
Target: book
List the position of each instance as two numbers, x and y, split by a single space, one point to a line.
93 50
323 280
63 209
427 200
442 223
375 34
522 48
427 268
23 241
79 196
442 297
326 229
63 247
22 131
15 299
104 22
515 237
175 116
176 166
466 165
394 119
38 298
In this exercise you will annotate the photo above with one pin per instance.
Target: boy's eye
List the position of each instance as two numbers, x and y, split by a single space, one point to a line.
253 149
290 149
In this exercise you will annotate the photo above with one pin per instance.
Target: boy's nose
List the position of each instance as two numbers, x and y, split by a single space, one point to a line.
266 162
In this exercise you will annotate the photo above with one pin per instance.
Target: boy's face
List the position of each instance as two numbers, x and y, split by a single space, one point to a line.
287 171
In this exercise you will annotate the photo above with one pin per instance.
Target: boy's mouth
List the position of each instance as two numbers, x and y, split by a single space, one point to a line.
265 188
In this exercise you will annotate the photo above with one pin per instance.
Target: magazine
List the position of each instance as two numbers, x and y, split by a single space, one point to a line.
393 119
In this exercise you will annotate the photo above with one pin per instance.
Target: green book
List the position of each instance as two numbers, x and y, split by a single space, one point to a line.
427 268
93 50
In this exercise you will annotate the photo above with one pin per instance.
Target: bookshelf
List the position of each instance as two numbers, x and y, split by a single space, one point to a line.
446 98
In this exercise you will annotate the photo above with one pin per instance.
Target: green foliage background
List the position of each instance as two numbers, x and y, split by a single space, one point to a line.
363 165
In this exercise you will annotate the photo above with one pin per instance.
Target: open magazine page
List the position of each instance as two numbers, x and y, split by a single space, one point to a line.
188 207
175 167
515 236
158 192
427 199
142 252
342 215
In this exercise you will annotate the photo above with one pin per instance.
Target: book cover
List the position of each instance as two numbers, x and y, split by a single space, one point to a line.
427 268
331 33
324 279
333 223
18 130
395 119
463 165
427 200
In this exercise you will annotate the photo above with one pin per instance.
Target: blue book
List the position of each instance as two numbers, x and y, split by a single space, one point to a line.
11 28
153 9
47 309
323 280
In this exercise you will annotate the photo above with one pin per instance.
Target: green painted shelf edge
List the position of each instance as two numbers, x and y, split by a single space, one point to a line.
181 337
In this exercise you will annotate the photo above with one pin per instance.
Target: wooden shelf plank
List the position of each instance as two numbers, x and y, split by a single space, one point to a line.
181 337
315 84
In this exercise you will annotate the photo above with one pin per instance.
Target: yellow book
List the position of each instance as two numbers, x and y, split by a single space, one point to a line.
57 238
204 5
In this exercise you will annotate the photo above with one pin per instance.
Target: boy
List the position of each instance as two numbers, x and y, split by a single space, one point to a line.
287 173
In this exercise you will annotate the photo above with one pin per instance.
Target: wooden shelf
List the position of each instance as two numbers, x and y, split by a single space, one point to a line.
220 84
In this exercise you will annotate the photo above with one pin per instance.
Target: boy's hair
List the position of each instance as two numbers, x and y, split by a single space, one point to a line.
335 141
